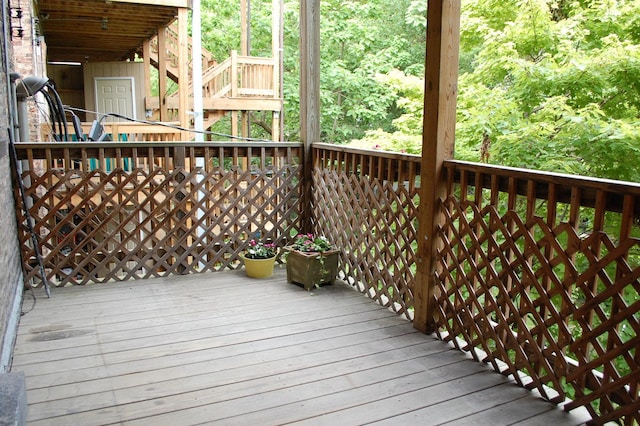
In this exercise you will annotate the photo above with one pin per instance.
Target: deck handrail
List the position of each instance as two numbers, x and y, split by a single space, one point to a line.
563 183
152 154
238 76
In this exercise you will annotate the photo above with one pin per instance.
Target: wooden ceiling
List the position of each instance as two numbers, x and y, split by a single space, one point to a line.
101 30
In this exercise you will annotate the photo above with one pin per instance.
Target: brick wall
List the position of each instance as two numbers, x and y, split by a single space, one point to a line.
28 61
10 267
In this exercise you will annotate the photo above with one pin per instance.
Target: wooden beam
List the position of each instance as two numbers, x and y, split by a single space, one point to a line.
441 87
243 104
146 59
168 3
309 97
162 73
244 27
183 71
225 104
234 91
276 48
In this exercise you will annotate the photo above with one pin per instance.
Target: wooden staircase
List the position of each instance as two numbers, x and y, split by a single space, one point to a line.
239 83
171 35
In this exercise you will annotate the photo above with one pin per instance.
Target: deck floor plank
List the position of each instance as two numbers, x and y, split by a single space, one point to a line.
221 348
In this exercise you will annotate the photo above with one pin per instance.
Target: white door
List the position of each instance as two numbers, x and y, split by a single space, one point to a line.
115 95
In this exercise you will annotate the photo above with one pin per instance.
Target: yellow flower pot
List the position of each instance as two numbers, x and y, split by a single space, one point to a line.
258 268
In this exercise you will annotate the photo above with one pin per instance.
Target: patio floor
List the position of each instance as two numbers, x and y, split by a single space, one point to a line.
221 348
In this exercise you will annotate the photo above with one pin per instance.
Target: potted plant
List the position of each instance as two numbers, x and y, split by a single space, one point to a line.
259 259
311 261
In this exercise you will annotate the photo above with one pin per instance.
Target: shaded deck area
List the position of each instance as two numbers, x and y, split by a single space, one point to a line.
225 349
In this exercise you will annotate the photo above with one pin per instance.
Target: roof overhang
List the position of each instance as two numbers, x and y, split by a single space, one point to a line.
101 30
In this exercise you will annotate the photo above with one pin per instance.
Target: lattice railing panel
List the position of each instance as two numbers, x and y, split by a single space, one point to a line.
546 302
96 226
374 224
537 274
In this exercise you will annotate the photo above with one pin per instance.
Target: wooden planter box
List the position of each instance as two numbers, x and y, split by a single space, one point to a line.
312 269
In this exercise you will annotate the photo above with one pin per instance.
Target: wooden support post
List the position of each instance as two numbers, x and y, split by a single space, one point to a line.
179 160
234 123
441 80
309 98
276 48
242 117
275 127
162 73
244 124
234 91
245 36
146 58
183 72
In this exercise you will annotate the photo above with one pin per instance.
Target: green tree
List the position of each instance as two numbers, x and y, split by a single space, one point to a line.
360 40
554 86
550 95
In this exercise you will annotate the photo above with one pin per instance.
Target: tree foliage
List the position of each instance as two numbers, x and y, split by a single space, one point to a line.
554 84
359 40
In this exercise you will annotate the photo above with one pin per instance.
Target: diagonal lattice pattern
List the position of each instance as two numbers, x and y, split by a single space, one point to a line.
95 226
373 222
545 302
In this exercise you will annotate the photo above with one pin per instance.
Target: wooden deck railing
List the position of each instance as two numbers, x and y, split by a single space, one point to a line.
366 201
245 79
538 273
120 211
139 132
124 131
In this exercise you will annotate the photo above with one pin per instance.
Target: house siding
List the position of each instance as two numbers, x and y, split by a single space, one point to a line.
114 69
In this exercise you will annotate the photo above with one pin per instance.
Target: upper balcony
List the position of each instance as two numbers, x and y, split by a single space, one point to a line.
536 274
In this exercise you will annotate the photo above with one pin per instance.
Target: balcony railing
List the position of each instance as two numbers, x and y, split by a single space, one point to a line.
538 276
537 273
366 201
120 211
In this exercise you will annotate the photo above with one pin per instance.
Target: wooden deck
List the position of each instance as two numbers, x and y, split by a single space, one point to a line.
220 348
